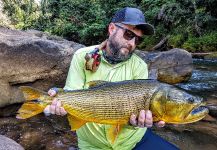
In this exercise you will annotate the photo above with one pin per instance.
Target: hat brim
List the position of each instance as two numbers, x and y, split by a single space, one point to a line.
147 28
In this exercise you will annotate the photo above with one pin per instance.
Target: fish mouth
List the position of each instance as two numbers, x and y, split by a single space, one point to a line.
201 109
196 114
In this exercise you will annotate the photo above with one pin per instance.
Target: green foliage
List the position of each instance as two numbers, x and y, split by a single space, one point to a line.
83 21
204 43
22 13
175 40
189 24
150 41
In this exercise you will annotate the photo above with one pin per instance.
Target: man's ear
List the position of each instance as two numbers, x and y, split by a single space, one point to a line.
111 28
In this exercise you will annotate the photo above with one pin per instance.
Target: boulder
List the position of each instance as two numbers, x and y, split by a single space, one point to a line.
173 66
9 144
40 60
195 136
32 58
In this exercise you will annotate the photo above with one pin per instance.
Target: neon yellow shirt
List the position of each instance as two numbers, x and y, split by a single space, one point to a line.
94 136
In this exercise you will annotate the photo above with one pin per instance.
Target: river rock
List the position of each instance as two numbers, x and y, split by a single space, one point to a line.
173 66
40 60
212 106
32 58
194 136
38 133
9 144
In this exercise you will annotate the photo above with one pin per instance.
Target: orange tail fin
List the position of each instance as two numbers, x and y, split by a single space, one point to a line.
35 102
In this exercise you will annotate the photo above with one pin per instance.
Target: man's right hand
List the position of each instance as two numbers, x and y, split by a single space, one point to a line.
55 107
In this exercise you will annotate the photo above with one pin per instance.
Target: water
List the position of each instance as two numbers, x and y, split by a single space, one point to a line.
204 79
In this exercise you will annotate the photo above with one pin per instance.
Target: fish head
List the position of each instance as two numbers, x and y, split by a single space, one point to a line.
174 105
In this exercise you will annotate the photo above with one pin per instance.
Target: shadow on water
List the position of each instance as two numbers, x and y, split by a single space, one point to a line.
53 133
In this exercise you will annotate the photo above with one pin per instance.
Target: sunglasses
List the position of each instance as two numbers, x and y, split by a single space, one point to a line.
129 35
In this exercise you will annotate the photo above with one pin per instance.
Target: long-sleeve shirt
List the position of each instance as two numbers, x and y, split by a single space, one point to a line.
93 136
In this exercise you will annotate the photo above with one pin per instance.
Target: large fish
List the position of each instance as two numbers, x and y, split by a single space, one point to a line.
114 102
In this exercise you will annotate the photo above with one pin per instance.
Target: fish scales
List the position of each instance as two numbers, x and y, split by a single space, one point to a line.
110 102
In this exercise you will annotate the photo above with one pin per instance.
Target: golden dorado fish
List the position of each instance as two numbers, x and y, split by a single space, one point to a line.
114 102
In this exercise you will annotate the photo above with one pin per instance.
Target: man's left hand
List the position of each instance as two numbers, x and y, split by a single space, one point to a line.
144 119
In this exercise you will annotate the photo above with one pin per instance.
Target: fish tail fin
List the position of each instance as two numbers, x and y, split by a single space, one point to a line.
34 104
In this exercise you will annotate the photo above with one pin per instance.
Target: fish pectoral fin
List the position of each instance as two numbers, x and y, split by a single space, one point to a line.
113 132
75 122
96 83
29 109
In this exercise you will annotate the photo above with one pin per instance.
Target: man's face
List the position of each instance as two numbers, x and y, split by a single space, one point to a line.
122 41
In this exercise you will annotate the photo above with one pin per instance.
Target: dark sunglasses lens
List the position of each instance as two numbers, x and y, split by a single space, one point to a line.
129 35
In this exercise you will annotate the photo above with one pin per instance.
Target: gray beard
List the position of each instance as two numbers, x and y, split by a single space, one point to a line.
116 56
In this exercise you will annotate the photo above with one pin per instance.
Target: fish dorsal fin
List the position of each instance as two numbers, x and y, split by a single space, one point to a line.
29 109
75 122
113 132
31 93
96 83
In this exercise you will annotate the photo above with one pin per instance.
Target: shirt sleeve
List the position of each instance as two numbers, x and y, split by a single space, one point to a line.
76 76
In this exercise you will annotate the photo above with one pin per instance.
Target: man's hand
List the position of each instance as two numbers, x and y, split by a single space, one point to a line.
52 92
55 107
144 119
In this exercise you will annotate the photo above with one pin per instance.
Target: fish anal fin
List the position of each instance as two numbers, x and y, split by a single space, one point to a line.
113 132
75 122
96 83
29 109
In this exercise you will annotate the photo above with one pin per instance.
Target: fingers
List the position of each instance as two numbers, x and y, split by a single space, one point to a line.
47 110
62 111
52 93
141 119
55 108
160 124
133 120
144 119
148 119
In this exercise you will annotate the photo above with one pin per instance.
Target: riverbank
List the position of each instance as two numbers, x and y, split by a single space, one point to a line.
207 55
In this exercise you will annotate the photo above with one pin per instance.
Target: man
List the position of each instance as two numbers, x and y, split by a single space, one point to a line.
118 63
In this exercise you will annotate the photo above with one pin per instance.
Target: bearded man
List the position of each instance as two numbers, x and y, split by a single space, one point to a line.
114 60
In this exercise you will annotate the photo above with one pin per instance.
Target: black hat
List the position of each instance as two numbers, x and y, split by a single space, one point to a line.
133 16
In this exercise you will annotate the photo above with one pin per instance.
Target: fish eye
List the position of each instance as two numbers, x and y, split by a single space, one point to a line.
191 100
